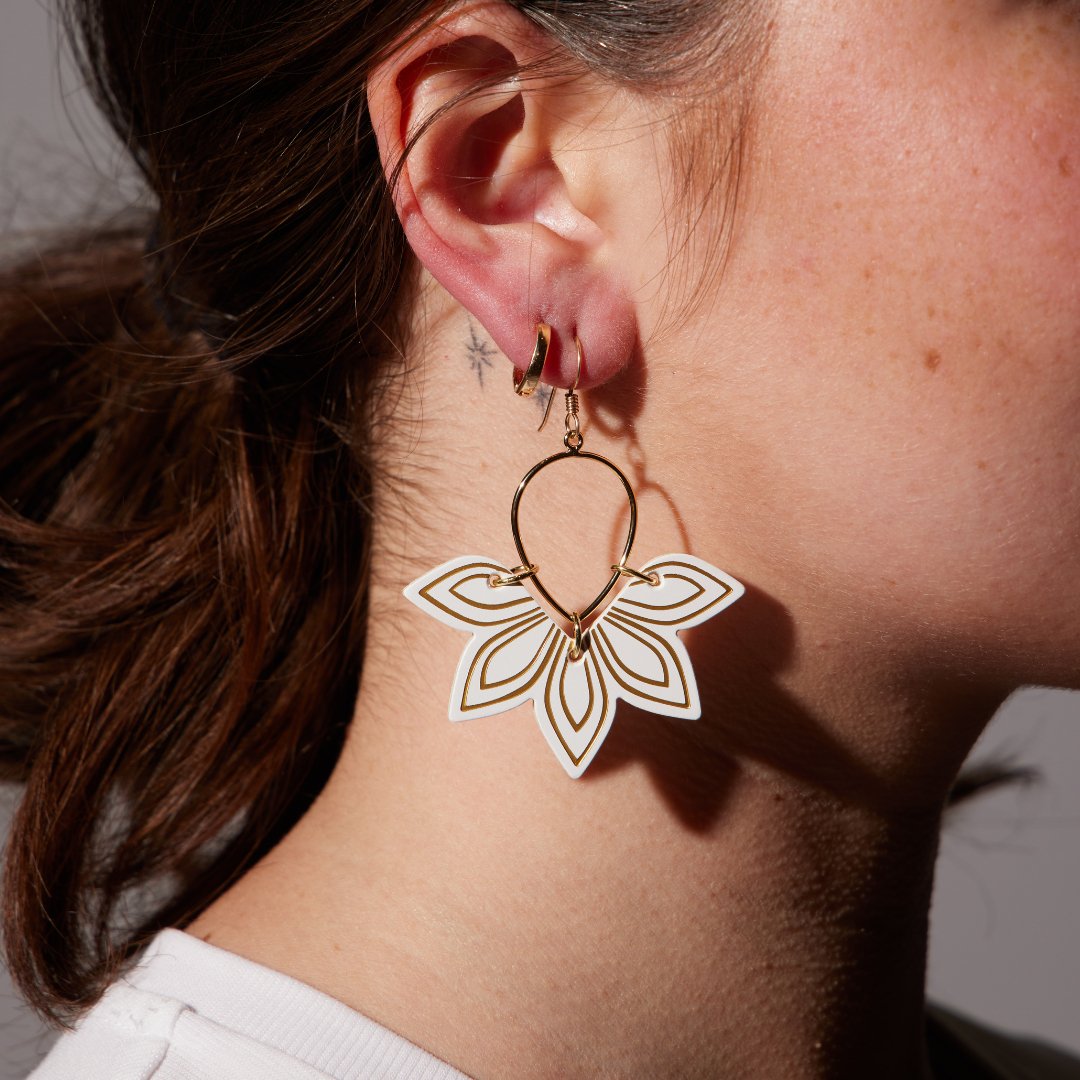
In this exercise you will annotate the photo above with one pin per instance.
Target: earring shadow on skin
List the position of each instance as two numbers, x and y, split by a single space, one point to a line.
736 657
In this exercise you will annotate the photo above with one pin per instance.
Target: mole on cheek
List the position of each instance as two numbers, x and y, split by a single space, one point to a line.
1065 165
931 359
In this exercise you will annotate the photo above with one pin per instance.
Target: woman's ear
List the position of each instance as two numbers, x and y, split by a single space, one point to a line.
503 194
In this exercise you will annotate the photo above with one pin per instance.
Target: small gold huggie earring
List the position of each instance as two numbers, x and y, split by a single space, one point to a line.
528 382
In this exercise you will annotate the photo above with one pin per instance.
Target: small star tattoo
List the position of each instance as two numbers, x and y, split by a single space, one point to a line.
480 352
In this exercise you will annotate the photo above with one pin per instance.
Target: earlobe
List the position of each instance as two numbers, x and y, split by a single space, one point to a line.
483 195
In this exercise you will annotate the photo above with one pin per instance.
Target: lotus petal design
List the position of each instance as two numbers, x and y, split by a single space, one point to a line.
517 653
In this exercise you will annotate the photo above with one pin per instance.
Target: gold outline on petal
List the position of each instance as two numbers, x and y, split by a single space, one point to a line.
576 758
620 603
488 569
566 661
515 630
624 623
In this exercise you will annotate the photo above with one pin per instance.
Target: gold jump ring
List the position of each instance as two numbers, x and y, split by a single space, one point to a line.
517 573
651 578
576 650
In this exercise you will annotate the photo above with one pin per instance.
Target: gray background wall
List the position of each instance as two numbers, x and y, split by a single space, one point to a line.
1005 943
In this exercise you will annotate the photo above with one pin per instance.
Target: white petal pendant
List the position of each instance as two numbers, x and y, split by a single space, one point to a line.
517 653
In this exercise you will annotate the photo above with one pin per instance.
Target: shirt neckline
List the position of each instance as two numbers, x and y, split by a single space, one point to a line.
279 1011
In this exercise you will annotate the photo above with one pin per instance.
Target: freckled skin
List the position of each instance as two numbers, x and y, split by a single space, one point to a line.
911 229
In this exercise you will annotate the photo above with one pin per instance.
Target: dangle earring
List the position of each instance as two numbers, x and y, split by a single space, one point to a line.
574 676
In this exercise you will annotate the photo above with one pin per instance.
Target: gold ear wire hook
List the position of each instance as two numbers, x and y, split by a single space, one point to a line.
577 376
572 438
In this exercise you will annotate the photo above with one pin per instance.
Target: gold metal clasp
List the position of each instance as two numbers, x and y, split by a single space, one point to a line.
650 578
517 573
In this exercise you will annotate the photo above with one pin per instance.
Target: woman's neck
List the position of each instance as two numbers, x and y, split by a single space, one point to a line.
744 895
683 910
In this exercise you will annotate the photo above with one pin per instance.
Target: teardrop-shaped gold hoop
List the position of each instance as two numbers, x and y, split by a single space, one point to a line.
579 455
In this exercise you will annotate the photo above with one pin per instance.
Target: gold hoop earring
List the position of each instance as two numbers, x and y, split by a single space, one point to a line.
574 675
528 382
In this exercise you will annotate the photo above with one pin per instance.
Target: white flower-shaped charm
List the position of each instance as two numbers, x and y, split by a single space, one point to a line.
517 653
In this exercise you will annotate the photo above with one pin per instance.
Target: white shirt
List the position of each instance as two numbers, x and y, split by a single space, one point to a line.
191 1011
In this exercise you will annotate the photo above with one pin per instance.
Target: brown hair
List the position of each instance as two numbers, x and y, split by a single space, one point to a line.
184 480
